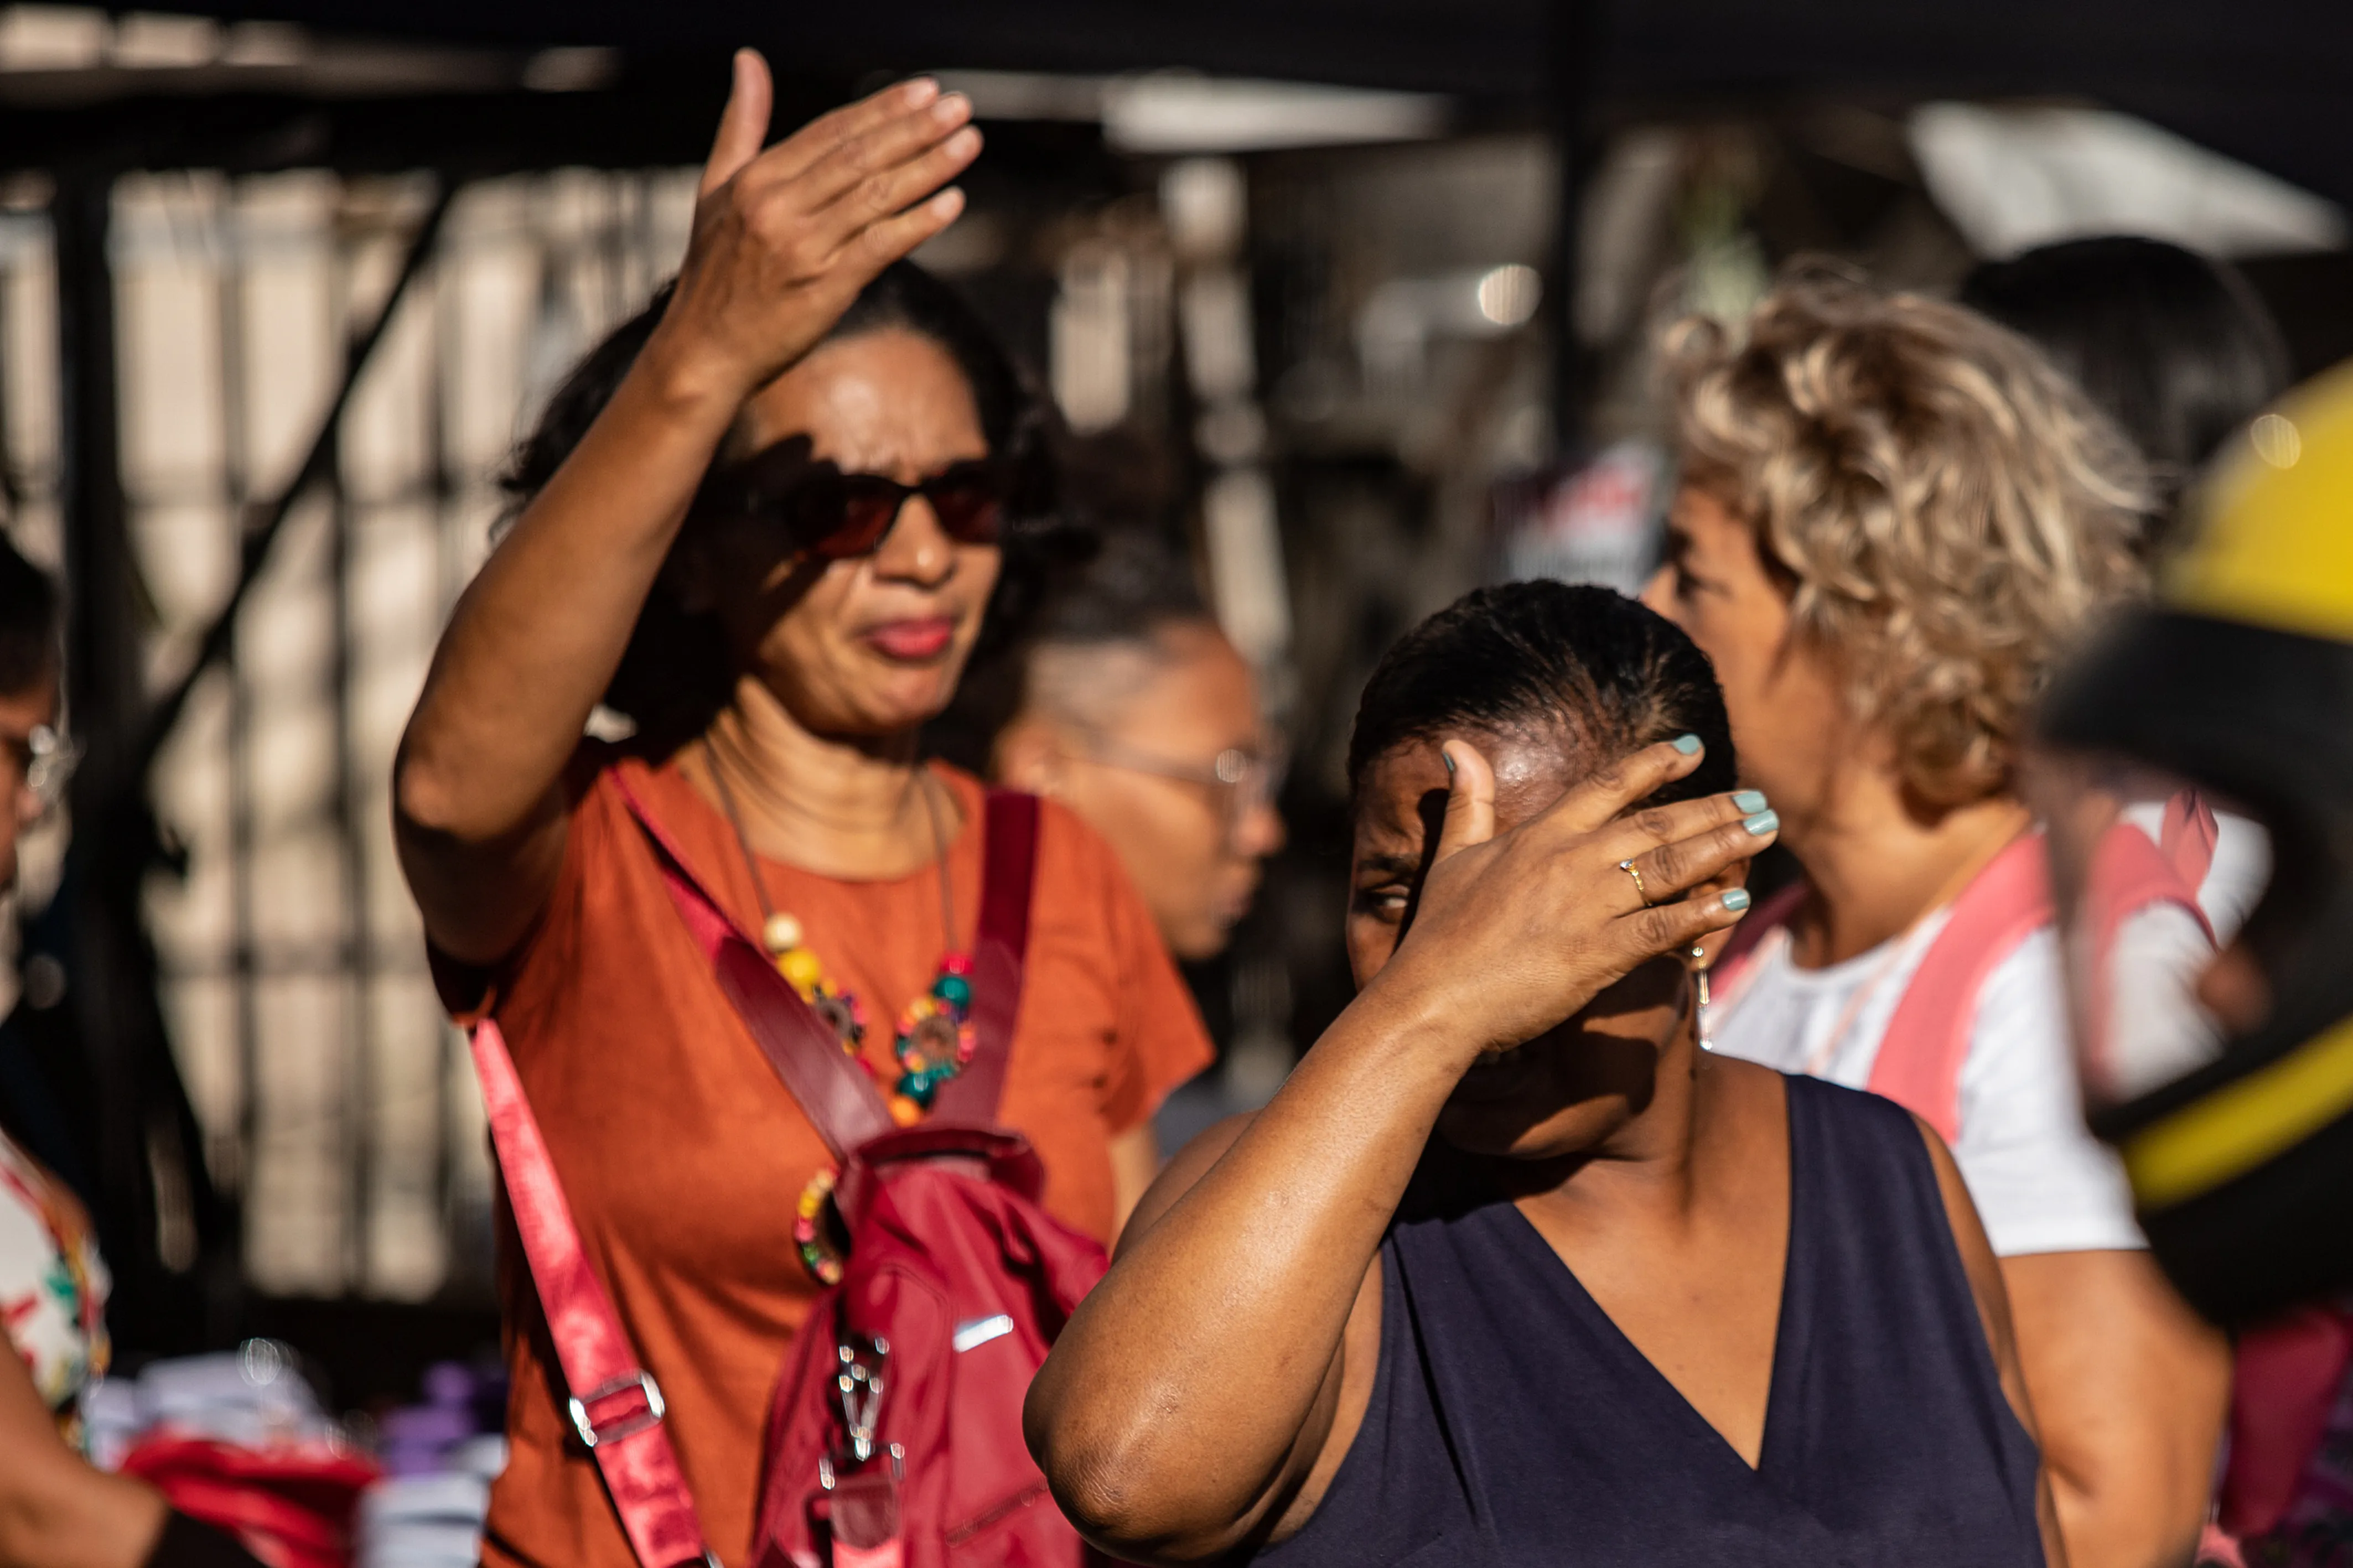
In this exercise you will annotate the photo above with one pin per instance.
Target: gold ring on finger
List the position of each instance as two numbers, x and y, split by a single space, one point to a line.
1635 871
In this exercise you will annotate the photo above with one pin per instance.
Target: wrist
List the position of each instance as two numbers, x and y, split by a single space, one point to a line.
689 379
1420 1020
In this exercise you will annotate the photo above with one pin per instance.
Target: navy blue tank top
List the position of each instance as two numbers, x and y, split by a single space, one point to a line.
1511 1421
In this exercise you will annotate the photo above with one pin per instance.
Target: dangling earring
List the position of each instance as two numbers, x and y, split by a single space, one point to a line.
1707 1042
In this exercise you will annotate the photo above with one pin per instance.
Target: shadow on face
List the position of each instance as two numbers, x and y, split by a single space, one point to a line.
872 645
1567 1092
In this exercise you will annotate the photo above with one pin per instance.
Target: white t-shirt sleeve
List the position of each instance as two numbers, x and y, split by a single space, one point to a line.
2041 1182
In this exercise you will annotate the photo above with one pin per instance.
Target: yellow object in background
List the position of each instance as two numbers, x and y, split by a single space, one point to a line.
2275 544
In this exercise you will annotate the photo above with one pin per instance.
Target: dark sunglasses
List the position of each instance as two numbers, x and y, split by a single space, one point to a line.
837 516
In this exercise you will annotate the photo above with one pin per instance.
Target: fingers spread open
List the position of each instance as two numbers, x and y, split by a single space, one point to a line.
1470 799
1591 804
744 123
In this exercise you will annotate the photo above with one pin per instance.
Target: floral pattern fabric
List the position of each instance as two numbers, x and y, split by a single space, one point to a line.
52 1284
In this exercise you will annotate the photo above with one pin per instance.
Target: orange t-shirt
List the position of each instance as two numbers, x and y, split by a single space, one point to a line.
682 1154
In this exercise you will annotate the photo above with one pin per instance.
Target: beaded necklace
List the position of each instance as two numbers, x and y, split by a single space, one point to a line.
934 1038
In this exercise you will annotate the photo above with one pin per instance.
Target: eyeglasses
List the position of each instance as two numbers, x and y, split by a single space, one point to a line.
1245 780
837 516
45 760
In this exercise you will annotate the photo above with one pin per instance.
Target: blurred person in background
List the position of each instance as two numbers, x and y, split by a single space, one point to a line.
57 1511
1892 515
762 523
1137 714
1512 1269
2175 347
2230 1097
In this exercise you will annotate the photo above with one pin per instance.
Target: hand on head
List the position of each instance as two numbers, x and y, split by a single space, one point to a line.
784 238
1514 932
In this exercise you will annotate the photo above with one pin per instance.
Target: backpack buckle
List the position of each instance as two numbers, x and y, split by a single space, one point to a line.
829 1476
859 1382
612 1428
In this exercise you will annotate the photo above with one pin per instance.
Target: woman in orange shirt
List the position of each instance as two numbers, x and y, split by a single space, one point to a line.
762 523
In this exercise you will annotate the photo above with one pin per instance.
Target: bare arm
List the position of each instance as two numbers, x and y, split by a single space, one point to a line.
1195 1388
57 1511
783 241
1134 1162
2132 1389
1993 1302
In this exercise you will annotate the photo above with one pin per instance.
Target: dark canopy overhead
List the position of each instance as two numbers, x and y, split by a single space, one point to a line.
2265 80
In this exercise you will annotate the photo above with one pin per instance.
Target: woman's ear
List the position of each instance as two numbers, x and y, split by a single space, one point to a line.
1030 756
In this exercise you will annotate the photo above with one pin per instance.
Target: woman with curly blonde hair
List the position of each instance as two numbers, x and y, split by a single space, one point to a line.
1893 514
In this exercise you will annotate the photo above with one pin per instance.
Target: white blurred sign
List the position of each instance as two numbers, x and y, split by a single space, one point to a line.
2011 179
1596 524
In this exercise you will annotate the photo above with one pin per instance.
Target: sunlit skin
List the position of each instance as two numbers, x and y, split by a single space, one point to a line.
1581 1089
1483 903
2129 1385
1183 702
837 664
871 645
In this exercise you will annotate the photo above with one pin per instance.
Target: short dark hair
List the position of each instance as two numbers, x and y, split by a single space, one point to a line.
2174 346
29 647
1585 664
1135 585
676 673
1120 588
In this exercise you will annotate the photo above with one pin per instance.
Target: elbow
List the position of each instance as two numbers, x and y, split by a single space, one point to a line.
1077 1464
427 802
1114 1483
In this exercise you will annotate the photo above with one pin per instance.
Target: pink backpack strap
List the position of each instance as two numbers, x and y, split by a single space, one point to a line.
616 1406
834 1091
1920 1057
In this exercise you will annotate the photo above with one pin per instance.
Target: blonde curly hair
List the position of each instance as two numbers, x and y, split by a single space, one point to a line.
1947 509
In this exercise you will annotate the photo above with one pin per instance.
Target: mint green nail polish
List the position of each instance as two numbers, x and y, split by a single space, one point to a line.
1686 745
1764 822
1737 898
1748 800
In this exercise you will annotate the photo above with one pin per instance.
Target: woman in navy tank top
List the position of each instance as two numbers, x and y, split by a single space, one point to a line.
1512 1271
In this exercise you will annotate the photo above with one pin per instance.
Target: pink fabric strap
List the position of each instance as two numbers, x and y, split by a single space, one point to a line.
1928 1040
1919 1063
835 1093
615 1404
2188 837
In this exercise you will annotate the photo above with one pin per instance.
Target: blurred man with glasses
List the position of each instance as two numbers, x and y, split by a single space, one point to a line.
1138 714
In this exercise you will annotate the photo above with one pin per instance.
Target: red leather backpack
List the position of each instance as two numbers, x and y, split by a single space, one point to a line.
895 1434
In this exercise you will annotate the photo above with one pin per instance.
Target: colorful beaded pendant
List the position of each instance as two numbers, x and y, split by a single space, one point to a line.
781 934
934 1042
819 1254
934 1039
